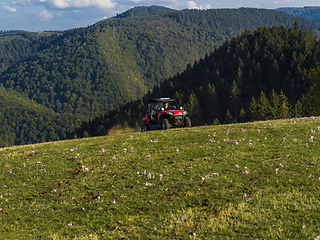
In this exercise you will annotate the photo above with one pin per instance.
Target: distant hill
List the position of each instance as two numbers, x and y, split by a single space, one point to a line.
84 72
311 13
24 121
16 46
143 11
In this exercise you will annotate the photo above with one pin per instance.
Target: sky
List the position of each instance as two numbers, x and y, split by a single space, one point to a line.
49 15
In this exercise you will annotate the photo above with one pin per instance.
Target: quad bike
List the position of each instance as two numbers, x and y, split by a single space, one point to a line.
164 113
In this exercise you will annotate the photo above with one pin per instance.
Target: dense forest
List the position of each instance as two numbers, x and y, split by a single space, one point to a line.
24 121
81 73
311 13
16 46
258 75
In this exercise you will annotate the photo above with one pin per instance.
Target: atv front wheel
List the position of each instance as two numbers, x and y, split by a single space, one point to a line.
165 124
145 127
187 122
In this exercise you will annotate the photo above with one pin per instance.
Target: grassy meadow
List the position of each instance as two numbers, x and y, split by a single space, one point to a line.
258 180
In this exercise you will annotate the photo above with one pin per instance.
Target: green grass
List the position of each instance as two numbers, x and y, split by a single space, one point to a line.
45 187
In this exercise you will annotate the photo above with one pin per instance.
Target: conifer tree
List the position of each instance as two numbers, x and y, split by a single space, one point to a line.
216 122
264 107
298 109
286 109
235 95
242 116
275 105
194 110
254 108
228 118
178 97
311 100
211 104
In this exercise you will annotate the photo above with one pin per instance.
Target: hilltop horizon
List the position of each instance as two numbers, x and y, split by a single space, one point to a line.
51 15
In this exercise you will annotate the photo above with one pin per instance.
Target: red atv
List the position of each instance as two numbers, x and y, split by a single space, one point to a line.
164 113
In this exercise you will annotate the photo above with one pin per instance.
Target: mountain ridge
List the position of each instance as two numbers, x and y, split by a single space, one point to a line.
308 12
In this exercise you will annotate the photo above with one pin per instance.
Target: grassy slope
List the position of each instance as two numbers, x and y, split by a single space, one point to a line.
45 187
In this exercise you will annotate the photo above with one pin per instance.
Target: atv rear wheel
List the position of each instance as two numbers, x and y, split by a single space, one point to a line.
187 122
145 127
165 124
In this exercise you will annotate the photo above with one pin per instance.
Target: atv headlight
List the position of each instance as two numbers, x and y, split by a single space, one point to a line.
170 113
185 112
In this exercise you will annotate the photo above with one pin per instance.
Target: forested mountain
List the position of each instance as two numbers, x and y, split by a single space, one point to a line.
82 73
311 13
16 46
258 75
143 11
24 121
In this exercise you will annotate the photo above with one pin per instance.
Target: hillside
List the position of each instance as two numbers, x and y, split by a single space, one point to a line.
24 121
235 181
16 46
143 11
85 72
271 65
311 13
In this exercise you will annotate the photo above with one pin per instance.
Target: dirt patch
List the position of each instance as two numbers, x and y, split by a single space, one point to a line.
119 129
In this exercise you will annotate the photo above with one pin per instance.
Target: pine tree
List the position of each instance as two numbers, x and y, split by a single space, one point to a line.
264 107
311 100
286 109
228 118
178 97
211 104
235 95
216 122
194 110
254 108
275 105
298 109
274 75
242 116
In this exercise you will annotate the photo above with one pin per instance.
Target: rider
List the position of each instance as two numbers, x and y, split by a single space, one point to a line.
165 105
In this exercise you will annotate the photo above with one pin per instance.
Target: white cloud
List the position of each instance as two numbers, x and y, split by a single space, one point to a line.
137 1
281 2
24 2
9 9
62 4
45 15
193 5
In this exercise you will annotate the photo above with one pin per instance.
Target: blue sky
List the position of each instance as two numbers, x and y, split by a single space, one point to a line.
41 15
